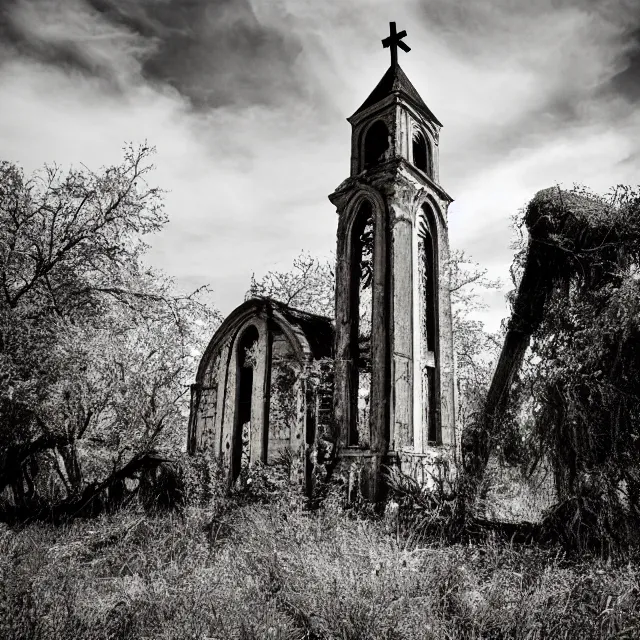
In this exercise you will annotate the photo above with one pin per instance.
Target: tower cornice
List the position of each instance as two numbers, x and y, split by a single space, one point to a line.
387 178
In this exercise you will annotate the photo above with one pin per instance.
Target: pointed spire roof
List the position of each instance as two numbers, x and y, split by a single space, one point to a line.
395 81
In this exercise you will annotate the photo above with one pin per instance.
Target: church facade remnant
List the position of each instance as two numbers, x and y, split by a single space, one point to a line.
392 344
262 390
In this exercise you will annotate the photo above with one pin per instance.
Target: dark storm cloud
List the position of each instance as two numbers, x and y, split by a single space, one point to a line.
210 51
580 53
627 82
16 37
486 28
214 52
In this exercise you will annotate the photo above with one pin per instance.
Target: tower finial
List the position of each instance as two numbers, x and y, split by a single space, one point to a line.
393 41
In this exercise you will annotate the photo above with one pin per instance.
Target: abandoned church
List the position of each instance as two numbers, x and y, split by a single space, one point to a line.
373 386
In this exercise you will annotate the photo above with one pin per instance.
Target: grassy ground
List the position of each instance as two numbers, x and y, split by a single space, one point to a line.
276 571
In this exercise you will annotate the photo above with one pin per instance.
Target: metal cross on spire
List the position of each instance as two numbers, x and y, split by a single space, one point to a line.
394 41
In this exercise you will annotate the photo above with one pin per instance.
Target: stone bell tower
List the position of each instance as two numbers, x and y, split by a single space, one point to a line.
394 373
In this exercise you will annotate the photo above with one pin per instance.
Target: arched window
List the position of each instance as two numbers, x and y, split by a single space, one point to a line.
376 143
429 325
246 362
421 152
362 246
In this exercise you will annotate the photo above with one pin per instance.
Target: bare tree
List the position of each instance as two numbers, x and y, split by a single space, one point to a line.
308 285
95 348
476 349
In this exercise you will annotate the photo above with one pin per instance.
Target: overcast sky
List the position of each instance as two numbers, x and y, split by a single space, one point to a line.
246 102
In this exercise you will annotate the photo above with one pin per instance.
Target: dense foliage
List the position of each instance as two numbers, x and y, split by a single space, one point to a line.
586 384
96 350
574 337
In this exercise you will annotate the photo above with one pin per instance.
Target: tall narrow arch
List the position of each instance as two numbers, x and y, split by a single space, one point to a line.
246 354
363 216
421 153
429 322
376 144
362 260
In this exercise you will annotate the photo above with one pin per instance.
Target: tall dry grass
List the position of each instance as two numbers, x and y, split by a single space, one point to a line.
273 570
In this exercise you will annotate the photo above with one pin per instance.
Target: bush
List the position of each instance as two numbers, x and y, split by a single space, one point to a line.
425 513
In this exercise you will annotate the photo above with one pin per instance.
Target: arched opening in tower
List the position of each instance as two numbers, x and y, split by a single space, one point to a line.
376 143
362 239
428 308
421 152
246 363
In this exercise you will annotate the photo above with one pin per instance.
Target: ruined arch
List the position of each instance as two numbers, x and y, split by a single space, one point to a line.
361 356
375 144
247 344
292 346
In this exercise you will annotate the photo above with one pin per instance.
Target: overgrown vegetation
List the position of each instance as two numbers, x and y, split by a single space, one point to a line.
576 401
261 567
96 349
96 353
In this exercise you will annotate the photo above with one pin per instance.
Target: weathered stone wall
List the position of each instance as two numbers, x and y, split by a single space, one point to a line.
208 405
204 408
401 279
284 390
